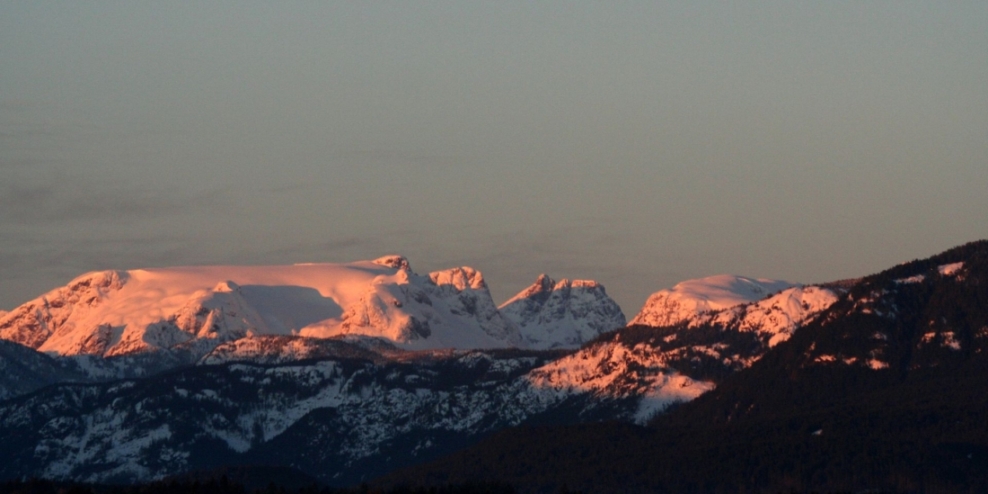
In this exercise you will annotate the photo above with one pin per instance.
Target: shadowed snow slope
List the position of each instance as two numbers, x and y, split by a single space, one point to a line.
563 314
692 297
196 308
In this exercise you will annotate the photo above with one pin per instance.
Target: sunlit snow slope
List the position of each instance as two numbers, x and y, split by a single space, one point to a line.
692 297
686 340
196 308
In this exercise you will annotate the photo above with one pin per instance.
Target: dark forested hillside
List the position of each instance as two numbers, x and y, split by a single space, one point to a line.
887 390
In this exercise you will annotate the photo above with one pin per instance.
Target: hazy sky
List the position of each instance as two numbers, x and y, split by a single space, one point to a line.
635 143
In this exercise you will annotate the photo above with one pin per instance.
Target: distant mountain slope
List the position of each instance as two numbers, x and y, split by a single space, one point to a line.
919 318
884 390
691 298
342 419
275 349
562 314
772 318
23 370
194 309
661 366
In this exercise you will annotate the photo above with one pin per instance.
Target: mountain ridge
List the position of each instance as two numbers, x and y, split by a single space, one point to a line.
813 413
121 312
195 309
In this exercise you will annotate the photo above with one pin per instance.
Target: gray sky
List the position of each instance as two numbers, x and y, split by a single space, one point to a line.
635 143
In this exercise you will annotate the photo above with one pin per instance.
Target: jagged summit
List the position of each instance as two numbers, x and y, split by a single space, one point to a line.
394 261
544 286
461 278
562 314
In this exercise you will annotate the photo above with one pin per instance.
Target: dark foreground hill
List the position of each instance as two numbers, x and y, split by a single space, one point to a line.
232 485
886 391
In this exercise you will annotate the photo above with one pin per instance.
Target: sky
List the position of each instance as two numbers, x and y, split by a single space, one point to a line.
634 143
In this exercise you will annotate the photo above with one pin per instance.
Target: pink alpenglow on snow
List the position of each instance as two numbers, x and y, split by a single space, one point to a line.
197 308
772 309
563 314
692 297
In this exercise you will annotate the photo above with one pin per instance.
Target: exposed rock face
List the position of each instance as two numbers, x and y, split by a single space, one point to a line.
394 261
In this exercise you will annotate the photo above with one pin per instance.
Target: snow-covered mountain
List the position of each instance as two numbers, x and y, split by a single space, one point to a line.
686 340
692 297
348 408
562 314
774 318
195 309
662 365
772 309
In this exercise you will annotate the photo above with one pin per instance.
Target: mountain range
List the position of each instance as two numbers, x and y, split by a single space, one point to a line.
363 371
883 391
194 309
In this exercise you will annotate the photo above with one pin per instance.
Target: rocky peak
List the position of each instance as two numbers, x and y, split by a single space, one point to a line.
588 284
226 287
394 261
544 282
461 278
562 314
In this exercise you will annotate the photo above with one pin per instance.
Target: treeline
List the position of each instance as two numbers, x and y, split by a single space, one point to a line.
223 485
925 435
